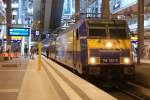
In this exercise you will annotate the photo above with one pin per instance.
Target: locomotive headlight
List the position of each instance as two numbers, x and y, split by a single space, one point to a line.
126 60
109 45
92 60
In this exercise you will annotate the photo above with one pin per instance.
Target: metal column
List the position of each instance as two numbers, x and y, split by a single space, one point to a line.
140 29
42 15
77 6
77 9
105 9
9 19
21 14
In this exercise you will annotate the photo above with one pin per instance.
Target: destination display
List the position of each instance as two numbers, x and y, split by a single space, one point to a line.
19 31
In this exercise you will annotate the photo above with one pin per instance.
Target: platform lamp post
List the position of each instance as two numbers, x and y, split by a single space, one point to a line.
140 30
9 24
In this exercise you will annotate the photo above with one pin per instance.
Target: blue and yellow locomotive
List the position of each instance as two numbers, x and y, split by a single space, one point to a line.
95 47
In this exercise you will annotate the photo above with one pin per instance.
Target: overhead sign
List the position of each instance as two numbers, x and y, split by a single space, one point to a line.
37 33
19 32
134 38
13 38
16 38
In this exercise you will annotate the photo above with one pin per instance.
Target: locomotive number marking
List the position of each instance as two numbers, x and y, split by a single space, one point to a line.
111 60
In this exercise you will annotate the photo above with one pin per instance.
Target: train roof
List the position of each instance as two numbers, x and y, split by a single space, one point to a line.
73 26
100 22
95 22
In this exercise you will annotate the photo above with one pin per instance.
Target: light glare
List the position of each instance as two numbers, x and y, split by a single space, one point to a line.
126 60
109 45
92 60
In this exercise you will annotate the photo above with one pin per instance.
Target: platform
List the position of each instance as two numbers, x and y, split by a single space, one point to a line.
142 73
11 75
53 82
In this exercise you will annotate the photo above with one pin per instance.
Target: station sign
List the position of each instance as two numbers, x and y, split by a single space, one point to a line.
18 31
134 38
13 38
16 38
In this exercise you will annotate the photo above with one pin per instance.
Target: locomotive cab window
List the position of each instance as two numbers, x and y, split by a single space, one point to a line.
118 33
95 32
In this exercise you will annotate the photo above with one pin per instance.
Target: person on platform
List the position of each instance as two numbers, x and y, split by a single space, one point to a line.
47 52
32 50
26 51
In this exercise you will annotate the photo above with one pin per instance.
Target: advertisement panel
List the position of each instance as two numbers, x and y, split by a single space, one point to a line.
67 7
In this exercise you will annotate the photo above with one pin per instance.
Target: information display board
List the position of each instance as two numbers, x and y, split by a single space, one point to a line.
18 31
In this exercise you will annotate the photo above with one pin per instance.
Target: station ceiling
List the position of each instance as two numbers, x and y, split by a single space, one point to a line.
134 9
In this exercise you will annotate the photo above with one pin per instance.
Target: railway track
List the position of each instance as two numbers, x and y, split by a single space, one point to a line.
131 95
128 92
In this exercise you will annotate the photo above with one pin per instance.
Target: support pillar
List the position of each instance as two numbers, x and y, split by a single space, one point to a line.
20 15
140 29
9 19
105 10
77 9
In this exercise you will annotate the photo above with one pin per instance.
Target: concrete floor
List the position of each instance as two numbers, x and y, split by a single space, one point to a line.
142 75
11 78
26 82
36 85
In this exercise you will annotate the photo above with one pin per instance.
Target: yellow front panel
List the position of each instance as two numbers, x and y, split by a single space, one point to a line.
115 45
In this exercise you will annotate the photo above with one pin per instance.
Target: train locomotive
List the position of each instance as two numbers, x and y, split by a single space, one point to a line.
95 47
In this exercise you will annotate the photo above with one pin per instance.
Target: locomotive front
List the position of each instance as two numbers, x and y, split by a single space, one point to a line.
109 49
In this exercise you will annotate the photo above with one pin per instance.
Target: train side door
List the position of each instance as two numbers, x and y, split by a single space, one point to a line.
75 50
